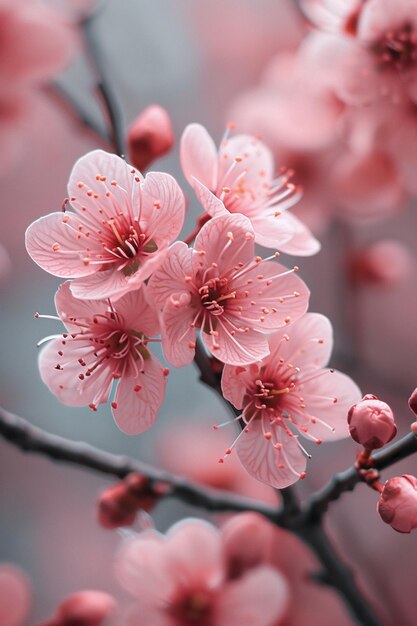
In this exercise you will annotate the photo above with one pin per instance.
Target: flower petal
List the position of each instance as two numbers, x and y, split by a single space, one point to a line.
276 467
198 155
178 336
252 163
137 314
233 347
210 203
302 242
235 380
271 231
169 279
259 598
69 307
54 245
108 284
162 208
139 398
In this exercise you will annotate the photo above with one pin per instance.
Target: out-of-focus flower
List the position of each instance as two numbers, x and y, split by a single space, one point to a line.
384 264
221 288
118 505
105 343
398 503
239 178
371 422
191 449
289 392
182 578
150 136
85 608
15 596
380 62
5 263
119 232
412 401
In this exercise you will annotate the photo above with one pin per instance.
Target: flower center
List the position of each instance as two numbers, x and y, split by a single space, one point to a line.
194 609
214 293
268 394
397 49
128 242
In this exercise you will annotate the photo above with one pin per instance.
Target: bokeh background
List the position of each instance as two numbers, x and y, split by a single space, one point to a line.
195 58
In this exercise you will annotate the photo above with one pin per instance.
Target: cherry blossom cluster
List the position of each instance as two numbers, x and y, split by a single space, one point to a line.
132 283
344 102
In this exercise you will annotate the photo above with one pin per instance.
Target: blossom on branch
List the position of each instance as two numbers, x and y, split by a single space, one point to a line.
286 394
183 579
397 505
119 232
239 178
220 287
105 343
150 136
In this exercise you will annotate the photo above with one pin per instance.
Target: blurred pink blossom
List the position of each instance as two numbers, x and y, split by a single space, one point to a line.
105 343
182 578
85 608
15 596
150 136
239 177
398 503
371 422
119 232
220 287
289 392
384 264
334 16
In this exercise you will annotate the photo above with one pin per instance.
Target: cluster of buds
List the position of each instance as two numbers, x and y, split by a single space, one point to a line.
118 505
372 424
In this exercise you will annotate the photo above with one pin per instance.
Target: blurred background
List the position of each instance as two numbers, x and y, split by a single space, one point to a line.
205 61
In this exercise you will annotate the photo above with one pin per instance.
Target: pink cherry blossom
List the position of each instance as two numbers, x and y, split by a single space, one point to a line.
369 267
119 231
85 608
150 136
380 63
182 579
371 422
221 288
105 343
239 178
289 393
15 596
398 503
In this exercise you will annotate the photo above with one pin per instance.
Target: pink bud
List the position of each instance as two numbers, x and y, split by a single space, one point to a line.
382 264
371 422
85 608
398 503
119 504
150 136
412 401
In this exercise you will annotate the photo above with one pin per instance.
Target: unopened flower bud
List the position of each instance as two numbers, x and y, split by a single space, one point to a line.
371 422
150 136
398 503
412 401
85 608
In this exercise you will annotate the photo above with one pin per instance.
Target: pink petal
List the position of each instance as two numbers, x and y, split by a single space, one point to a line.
144 569
248 539
67 306
265 462
155 615
107 284
195 549
257 162
210 203
309 345
302 242
241 348
278 304
272 232
15 596
169 279
235 380
120 182
198 156
65 383
137 313
53 245
213 242
139 398
178 336
260 598
318 396
162 209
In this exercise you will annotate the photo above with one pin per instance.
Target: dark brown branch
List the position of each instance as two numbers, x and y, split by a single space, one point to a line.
28 438
347 480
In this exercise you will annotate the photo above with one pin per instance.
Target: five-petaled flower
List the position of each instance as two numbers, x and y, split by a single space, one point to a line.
119 232
239 178
105 343
287 393
220 287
